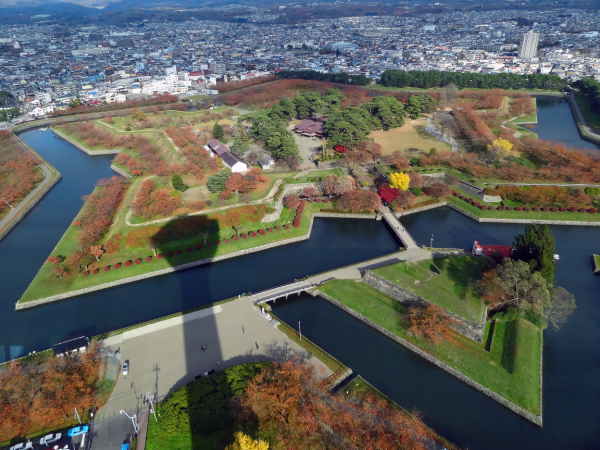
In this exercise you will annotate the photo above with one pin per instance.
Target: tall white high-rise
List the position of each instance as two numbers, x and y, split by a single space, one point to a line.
529 45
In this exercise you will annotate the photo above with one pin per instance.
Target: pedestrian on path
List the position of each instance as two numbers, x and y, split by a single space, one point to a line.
243 331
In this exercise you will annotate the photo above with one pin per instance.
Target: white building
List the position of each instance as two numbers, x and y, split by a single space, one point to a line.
42 111
529 45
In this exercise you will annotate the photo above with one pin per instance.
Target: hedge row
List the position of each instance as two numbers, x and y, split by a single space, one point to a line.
523 208
171 253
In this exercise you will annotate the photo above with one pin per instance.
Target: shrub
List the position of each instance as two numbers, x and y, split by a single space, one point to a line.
563 209
270 230
573 209
527 208
501 207
509 208
106 268
226 241
491 207
159 256
582 210
198 247
138 261
148 258
169 254
592 210
117 266
536 208
85 273
208 244
296 223
311 201
252 234
262 232
287 226
189 249
554 209
470 200
178 251
127 128
476 204
244 236
278 227
519 208
95 271
235 238
483 207
127 263
319 200
326 200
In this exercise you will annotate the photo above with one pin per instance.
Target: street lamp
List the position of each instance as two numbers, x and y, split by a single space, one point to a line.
133 420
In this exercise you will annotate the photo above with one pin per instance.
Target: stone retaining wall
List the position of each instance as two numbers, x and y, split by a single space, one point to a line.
34 201
409 298
348 216
348 373
82 147
523 221
120 172
422 208
508 404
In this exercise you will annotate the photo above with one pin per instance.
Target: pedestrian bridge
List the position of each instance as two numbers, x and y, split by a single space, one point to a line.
398 228
281 291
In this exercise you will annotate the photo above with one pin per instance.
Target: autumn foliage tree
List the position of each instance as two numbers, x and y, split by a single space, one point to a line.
431 323
296 411
39 395
399 180
358 201
292 201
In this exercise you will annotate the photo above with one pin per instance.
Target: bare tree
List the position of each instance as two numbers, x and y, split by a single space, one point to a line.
561 307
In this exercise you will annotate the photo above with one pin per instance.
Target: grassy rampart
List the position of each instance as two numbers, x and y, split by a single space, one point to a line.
511 368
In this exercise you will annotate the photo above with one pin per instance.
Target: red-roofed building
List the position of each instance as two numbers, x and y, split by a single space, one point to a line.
310 127
491 250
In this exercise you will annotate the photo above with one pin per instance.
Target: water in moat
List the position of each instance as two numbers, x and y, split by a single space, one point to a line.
571 369
556 123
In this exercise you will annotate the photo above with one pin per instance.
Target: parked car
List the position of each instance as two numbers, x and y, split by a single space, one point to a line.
50 438
78 430
22 446
125 370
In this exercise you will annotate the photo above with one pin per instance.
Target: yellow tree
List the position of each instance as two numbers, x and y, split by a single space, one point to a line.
245 442
399 181
502 148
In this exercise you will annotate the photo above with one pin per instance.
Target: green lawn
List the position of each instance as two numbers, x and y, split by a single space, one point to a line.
597 261
592 118
45 284
318 175
451 289
530 215
511 369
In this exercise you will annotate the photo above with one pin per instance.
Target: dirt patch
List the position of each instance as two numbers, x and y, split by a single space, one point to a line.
410 135
196 193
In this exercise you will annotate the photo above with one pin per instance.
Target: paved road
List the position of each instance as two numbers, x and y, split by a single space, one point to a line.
168 354
23 204
109 434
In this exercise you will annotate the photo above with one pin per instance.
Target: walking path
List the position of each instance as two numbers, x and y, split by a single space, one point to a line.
266 199
168 354
398 228
436 133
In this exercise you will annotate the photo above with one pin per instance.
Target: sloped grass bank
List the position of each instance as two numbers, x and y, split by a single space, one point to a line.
447 281
511 368
175 253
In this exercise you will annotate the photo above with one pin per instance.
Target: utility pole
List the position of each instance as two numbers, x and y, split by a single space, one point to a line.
300 330
133 421
149 399
431 242
77 415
